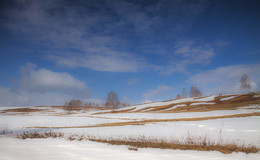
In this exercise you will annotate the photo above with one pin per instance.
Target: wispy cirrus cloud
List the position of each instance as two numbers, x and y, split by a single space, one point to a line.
155 92
101 35
133 81
188 53
72 39
116 62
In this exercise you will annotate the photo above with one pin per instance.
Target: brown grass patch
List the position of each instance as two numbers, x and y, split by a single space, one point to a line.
143 122
81 108
115 111
24 110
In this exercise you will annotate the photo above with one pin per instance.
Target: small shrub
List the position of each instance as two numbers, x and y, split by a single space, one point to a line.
80 138
72 138
4 129
133 148
32 135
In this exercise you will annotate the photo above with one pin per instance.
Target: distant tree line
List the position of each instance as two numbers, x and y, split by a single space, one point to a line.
72 104
112 102
194 92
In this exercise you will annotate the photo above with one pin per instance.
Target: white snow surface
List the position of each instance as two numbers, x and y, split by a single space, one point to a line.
243 130
178 105
257 95
53 149
201 103
227 98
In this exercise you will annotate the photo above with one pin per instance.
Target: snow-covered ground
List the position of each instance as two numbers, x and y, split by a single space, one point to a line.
201 103
53 149
241 130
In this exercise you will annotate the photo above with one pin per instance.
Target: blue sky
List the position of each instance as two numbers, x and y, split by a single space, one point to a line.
54 50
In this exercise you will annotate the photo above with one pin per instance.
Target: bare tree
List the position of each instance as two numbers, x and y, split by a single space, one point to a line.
125 103
72 104
198 93
112 101
195 92
192 91
245 82
75 103
178 96
184 93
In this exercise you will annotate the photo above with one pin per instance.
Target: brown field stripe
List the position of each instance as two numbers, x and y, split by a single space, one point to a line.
156 120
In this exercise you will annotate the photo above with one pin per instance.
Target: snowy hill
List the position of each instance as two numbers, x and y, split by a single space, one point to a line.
226 118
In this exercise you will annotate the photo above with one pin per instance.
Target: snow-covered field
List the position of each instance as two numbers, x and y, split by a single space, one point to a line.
53 149
142 116
240 130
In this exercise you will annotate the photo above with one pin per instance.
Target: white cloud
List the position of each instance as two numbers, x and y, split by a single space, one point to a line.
44 80
18 97
188 53
226 79
155 92
43 87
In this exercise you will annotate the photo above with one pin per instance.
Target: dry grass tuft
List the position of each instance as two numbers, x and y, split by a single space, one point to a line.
200 144
5 129
133 148
189 144
32 135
